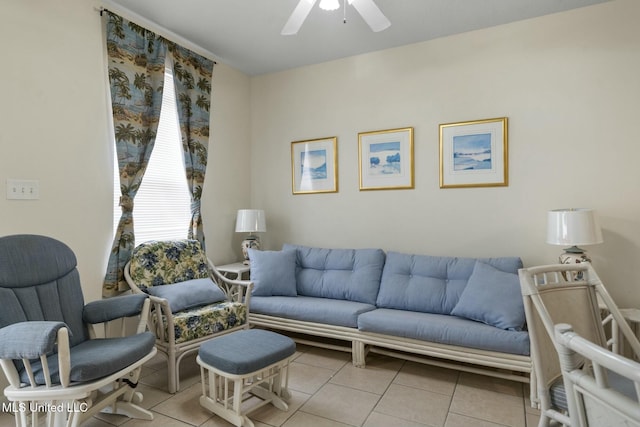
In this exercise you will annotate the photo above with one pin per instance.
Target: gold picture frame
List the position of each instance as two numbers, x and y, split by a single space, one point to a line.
314 166
385 159
474 154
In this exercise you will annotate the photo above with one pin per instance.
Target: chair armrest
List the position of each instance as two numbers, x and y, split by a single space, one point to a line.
29 340
236 290
113 308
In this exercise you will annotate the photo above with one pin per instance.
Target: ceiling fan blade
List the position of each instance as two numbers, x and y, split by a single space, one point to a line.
297 18
371 14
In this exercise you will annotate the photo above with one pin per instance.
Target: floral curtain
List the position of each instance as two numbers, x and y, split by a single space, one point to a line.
136 76
192 80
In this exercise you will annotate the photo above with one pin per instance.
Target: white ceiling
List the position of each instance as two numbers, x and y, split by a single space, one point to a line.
245 34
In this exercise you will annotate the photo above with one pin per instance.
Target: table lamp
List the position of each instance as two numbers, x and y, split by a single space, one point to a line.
573 227
250 221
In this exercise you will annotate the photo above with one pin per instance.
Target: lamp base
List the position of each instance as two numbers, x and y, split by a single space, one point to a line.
574 255
251 242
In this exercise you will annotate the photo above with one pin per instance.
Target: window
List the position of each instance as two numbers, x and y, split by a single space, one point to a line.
162 207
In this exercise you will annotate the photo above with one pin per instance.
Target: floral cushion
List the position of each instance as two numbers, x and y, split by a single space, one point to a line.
206 320
158 263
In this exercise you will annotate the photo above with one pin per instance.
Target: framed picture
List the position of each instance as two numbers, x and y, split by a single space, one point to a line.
474 154
386 159
314 166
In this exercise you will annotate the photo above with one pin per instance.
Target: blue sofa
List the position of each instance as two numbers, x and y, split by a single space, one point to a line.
461 313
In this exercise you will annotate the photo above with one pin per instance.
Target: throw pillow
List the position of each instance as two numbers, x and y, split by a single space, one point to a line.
189 294
493 297
273 272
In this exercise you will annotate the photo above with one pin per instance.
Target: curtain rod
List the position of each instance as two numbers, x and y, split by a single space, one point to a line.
156 28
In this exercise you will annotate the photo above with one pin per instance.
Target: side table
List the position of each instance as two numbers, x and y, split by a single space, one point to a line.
235 271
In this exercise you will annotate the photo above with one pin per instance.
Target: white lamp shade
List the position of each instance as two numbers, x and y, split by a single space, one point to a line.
574 227
251 221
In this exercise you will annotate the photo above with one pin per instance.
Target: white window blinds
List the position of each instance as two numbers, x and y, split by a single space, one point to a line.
162 206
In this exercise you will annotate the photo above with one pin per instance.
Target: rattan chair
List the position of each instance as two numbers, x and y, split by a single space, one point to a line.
572 294
191 300
589 372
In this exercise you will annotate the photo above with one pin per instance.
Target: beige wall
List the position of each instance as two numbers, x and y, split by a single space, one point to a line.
569 84
55 129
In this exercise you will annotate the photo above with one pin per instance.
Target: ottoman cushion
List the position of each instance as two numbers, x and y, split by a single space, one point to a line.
246 351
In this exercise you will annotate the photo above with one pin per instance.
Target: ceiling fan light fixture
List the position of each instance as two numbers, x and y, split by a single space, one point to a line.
329 4
368 9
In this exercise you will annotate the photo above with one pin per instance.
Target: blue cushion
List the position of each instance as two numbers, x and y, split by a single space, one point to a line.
273 272
188 294
492 297
96 358
246 351
430 284
39 281
311 309
341 274
444 329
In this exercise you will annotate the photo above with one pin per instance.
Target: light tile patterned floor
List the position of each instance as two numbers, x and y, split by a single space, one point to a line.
327 391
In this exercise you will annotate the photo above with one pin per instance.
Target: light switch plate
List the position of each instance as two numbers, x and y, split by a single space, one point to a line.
23 189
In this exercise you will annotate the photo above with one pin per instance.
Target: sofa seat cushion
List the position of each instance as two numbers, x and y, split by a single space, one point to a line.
310 309
430 284
206 320
444 329
342 274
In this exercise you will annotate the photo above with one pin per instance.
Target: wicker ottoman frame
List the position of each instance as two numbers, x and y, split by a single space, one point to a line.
251 361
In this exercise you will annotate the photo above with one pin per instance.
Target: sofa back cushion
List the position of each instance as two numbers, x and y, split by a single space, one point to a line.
345 274
430 284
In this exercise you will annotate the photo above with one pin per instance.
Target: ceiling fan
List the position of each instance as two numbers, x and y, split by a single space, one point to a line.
369 11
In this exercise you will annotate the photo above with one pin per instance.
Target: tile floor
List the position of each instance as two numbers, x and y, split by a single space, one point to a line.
327 391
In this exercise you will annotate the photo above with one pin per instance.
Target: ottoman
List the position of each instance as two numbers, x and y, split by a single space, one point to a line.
251 361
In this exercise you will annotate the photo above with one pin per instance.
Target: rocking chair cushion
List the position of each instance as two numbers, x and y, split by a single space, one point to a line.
28 339
96 358
189 294
105 310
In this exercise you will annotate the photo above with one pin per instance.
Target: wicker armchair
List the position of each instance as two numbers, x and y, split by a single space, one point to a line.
571 294
191 301
589 373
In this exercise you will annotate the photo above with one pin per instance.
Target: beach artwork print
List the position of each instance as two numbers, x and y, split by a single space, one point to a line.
313 165
472 152
384 158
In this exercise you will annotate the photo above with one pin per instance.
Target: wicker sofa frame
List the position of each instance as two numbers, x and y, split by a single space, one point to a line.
501 365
